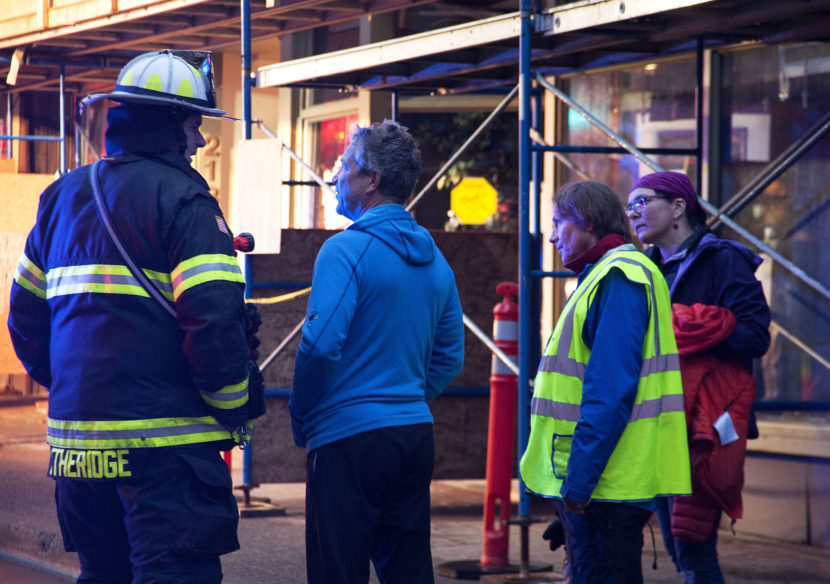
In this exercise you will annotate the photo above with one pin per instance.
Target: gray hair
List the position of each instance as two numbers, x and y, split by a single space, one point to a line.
388 149
593 204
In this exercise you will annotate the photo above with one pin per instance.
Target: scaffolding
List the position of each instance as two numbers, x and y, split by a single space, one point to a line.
367 66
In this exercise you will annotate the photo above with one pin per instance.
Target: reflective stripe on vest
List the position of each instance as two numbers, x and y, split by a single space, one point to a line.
30 277
151 433
228 397
568 366
651 457
562 363
650 408
205 268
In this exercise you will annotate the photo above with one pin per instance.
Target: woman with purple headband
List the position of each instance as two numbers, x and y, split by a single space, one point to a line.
721 321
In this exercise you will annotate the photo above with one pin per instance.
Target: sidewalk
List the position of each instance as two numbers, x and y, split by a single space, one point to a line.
273 546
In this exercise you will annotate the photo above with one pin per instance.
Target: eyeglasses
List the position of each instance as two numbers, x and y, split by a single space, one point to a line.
636 206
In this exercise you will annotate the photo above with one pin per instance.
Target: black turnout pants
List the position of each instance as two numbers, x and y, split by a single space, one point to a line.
167 524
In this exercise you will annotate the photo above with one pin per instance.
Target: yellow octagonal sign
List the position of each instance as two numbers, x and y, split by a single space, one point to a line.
473 200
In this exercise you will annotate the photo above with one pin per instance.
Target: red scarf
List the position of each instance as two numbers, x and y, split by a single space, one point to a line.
590 256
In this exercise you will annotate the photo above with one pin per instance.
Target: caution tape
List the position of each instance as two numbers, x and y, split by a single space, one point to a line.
281 298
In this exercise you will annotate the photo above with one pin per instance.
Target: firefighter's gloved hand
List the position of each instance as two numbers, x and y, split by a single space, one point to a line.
253 320
256 391
554 534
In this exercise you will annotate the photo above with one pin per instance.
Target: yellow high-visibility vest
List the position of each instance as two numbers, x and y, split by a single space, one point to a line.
652 456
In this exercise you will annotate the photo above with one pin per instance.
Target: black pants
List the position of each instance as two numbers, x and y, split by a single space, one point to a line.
167 524
605 544
367 498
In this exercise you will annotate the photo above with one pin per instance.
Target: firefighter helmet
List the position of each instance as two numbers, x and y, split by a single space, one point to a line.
176 78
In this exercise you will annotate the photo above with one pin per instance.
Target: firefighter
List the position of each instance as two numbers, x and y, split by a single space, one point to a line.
144 391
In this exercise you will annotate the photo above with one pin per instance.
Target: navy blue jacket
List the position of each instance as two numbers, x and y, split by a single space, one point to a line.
720 272
84 327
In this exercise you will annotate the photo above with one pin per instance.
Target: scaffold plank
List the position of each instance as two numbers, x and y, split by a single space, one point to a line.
590 13
469 34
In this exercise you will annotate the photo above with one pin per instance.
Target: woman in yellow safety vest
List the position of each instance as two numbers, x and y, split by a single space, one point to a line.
608 432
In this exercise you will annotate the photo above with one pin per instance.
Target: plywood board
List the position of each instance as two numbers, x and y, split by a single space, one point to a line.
19 199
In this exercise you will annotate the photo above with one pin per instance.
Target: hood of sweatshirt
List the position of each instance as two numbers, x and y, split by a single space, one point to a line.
394 226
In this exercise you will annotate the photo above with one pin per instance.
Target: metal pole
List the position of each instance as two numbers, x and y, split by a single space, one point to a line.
245 42
534 347
616 150
714 138
539 139
284 343
801 344
9 142
699 114
62 107
490 344
77 129
499 108
31 138
245 16
524 244
774 255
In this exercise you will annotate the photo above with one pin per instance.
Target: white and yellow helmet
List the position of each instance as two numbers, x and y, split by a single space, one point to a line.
175 78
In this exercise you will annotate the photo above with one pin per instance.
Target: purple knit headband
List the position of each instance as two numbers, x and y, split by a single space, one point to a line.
675 184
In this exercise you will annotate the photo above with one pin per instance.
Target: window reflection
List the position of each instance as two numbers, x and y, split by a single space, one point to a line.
783 91
651 105
770 97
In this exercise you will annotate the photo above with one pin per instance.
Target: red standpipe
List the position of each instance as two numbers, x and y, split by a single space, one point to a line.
244 242
501 430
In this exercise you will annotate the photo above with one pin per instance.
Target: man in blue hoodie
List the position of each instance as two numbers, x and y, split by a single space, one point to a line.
383 336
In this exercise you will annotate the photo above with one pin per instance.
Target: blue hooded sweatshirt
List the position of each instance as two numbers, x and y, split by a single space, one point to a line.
383 333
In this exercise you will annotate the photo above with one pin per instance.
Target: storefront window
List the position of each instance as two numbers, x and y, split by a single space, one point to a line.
651 105
771 98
